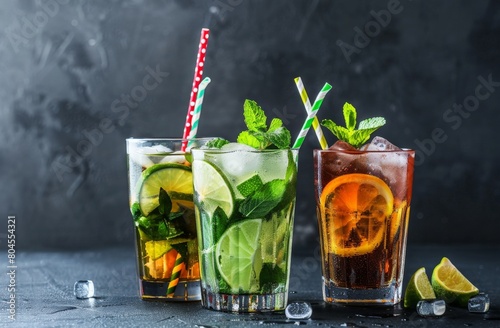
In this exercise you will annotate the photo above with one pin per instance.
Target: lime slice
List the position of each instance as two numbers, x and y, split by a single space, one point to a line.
419 288
451 285
156 249
175 179
212 188
236 253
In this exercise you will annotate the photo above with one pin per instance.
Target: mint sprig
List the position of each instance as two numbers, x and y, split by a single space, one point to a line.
349 133
216 143
259 135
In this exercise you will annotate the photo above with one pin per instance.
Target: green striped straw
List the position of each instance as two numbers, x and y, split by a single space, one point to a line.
197 109
310 117
307 105
176 273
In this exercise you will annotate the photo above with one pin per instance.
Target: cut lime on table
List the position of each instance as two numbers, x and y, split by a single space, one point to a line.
212 188
451 285
175 179
419 288
235 254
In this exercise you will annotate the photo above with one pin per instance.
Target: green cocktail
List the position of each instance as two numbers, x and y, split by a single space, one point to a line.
244 196
244 202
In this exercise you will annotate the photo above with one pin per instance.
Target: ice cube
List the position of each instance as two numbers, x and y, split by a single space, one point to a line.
84 289
379 144
236 146
173 158
156 149
342 145
431 308
298 310
479 303
141 159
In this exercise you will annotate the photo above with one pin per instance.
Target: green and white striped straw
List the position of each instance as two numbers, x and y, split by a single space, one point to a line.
310 117
307 105
197 109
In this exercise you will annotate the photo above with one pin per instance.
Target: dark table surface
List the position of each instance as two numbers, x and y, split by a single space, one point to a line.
44 293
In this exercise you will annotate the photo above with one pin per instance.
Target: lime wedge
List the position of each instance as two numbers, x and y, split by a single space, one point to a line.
451 285
175 179
236 255
212 188
419 288
156 249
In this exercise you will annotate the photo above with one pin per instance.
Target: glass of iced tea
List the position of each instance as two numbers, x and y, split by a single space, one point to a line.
161 202
363 204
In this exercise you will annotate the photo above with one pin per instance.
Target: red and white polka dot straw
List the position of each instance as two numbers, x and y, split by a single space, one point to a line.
198 74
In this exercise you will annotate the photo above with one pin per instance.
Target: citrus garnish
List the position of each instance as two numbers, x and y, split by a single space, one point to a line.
157 248
236 255
161 268
212 188
401 212
355 208
419 288
451 285
175 179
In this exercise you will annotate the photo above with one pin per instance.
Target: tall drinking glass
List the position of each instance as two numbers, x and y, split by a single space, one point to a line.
245 201
161 202
363 205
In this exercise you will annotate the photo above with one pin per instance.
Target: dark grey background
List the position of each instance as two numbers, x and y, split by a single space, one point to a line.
66 66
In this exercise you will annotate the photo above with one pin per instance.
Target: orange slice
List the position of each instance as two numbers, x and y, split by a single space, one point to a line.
355 208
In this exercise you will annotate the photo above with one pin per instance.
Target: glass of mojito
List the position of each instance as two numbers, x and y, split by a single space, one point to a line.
161 202
244 200
363 194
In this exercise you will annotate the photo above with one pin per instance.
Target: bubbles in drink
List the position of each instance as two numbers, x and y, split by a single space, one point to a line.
84 289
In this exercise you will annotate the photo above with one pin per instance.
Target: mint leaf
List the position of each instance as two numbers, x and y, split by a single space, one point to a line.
349 134
339 131
219 224
275 124
258 135
165 203
255 118
349 116
136 211
247 138
280 137
216 143
249 186
372 123
271 277
264 199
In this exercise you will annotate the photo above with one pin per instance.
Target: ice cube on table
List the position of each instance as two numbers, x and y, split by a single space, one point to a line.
479 303
431 308
379 144
298 310
84 289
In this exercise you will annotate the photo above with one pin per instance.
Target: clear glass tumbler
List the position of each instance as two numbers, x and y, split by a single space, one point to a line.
363 205
245 202
161 202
